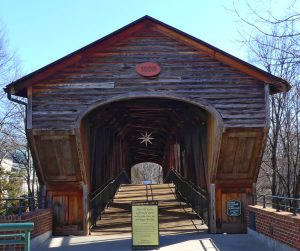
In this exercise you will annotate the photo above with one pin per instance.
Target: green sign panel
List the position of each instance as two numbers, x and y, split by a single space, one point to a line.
234 208
145 230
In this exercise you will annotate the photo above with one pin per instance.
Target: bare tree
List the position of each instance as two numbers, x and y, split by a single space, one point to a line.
146 171
273 44
13 142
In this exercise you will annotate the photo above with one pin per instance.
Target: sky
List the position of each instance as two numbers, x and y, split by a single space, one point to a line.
41 32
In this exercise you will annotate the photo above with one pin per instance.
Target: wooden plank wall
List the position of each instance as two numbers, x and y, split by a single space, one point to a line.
67 211
108 157
228 224
59 101
186 154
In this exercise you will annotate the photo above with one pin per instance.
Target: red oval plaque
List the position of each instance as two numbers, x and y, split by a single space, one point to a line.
148 69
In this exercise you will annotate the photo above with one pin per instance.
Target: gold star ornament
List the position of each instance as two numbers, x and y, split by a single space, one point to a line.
146 138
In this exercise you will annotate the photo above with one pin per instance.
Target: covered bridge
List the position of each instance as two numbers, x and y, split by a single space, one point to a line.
206 111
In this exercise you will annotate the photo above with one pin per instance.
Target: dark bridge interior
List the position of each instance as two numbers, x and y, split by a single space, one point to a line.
177 129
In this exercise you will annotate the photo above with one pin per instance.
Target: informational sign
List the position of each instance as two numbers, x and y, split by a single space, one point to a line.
145 230
148 69
147 182
234 208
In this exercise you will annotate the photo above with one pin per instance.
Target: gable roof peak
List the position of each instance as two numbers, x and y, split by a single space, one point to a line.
19 86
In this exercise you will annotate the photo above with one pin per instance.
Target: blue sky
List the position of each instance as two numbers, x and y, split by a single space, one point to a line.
44 31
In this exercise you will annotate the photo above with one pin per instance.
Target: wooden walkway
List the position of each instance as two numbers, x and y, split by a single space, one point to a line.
175 217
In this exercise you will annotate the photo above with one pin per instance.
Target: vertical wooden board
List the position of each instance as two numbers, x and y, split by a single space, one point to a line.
267 105
47 158
64 156
86 211
188 163
29 108
171 154
75 209
197 157
214 136
218 208
34 151
176 160
213 211
240 154
258 152
75 158
230 149
210 148
178 153
198 168
78 153
60 209
243 160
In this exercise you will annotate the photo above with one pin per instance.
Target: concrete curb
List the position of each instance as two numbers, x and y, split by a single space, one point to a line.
272 244
39 240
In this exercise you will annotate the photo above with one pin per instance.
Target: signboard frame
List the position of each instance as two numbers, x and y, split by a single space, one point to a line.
232 209
148 243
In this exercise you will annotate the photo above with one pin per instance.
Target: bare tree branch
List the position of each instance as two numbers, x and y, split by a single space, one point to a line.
273 44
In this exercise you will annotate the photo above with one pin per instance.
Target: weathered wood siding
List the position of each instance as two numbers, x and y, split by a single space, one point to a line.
80 152
67 211
185 72
227 223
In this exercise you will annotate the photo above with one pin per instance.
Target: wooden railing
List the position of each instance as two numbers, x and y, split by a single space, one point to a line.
16 233
195 197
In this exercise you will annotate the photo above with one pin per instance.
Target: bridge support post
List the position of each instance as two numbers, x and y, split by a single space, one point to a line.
212 208
254 197
85 210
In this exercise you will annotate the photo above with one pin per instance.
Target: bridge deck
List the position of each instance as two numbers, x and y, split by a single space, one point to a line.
174 216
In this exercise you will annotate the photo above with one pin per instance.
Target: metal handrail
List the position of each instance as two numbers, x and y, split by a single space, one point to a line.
193 197
10 206
100 188
280 203
199 189
16 234
104 196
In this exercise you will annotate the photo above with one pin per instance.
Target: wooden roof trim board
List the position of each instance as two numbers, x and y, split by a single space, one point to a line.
19 86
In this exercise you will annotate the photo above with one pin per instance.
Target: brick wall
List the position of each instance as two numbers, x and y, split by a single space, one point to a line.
280 226
42 219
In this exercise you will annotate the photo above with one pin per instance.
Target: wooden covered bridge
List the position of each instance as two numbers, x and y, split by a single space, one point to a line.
205 112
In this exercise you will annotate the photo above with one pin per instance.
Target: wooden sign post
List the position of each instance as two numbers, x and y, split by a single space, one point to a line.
145 230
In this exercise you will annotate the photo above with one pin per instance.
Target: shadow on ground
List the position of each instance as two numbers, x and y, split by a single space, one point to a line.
182 242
